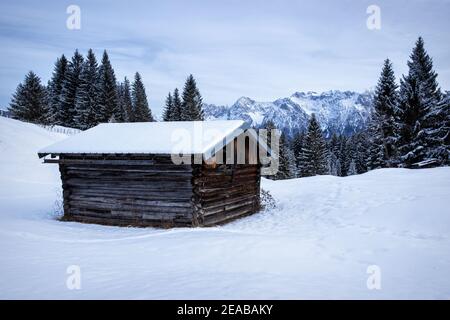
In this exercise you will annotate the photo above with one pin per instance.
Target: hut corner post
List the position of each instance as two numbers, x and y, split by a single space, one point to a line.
65 191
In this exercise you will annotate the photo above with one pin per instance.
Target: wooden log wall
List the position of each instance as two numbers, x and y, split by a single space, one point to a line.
225 192
149 190
127 190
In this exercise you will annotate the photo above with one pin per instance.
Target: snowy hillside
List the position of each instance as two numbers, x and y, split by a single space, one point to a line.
318 243
337 111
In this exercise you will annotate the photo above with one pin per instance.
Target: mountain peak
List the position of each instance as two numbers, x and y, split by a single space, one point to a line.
340 112
245 100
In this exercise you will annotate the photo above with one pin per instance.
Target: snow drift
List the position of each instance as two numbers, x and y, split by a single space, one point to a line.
318 242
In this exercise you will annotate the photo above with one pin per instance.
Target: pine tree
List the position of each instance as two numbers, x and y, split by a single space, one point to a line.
314 152
192 101
48 118
352 168
177 106
419 99
28 102
344 155
271 130
120 94
439 137
286 161
334 144
168 111
297 144
108 105
383 128
334 165
142 112
125 101
376 151
360 143
121 112
87 97
269 126
54 89
71 85
334 162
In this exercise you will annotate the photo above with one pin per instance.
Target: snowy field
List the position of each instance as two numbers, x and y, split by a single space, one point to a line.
318 243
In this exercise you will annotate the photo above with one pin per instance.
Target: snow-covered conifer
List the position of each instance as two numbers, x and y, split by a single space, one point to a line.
360 146
419 100
352 168
87 96
108 101
286 161
192 107
28 102
177 106
344 155
71 85
125 101
376 152
314 159
54 89
383 126
297 144
168 110
142 111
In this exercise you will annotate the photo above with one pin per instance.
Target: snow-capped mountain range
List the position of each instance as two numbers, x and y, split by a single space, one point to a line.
341 112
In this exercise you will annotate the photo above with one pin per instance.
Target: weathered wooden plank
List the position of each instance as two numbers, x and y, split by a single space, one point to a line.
165 216
49 160
148 187
137 168
225 184
130 215
144 178
99 205
132 177
129 172
227 178
129 222
232 171
129 201
154 196
242 187
215 198
118 155
127 215
106 162
149 220
90 212
147 193
170 197
226 201
227 208
160 185
227 216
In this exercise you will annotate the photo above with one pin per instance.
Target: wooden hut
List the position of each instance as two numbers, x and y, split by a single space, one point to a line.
131 173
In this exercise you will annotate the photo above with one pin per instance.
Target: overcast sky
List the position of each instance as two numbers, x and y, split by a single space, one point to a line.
234 48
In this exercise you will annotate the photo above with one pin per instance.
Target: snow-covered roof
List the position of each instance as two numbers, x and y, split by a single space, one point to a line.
187 137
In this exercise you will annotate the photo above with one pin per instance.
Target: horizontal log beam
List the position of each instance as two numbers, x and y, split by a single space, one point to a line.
228 216
175 196
129 222
129 201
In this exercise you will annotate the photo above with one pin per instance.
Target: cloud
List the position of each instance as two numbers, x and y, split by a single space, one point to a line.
234 48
